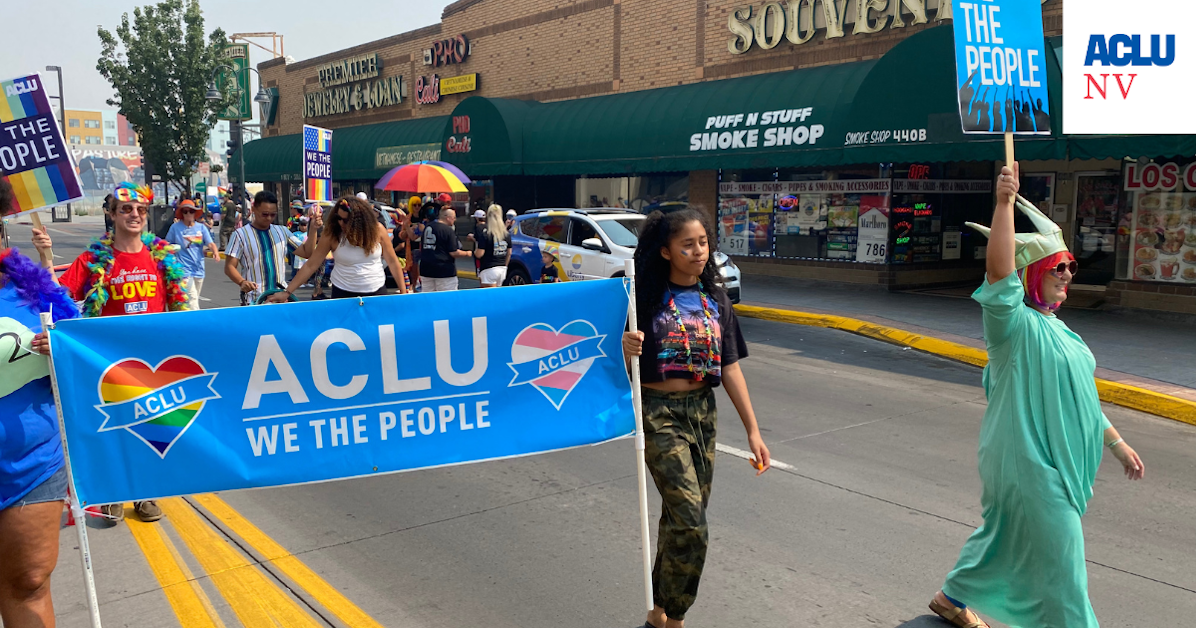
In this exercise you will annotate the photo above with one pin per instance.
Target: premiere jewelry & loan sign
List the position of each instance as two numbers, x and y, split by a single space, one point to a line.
353 84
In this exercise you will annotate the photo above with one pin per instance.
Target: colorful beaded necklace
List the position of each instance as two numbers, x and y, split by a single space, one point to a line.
99 260
709 325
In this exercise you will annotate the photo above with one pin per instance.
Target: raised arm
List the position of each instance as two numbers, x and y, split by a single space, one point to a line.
1001 243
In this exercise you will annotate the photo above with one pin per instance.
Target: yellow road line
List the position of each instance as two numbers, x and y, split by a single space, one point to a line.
1116 393
256 599
301 574
187 599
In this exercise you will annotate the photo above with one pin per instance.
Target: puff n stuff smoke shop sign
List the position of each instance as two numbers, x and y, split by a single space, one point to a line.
353 84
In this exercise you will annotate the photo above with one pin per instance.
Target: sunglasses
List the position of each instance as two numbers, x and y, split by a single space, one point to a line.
1073 267
341 218
269 216
190 211
128 209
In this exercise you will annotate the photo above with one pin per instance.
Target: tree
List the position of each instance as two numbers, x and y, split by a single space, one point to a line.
159 66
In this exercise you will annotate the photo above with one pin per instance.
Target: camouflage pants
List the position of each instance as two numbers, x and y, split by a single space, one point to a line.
679 430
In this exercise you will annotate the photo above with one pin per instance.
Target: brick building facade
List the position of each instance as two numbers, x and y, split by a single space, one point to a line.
559 51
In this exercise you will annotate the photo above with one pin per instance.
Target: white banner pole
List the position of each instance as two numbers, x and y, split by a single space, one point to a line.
640 465
89 583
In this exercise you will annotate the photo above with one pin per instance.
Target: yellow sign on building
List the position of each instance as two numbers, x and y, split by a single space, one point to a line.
458 84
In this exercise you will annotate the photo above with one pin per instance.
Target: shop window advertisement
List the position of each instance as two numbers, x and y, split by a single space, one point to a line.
873 239
745 215
1164 222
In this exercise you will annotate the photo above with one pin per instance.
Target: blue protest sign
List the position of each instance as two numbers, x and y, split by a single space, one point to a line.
338 389
1000 66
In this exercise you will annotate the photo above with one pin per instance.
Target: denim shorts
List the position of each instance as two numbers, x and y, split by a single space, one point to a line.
52 490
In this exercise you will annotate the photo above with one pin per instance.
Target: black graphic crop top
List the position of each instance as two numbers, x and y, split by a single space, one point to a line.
694 338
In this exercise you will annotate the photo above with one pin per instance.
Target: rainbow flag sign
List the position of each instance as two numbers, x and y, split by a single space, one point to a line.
33 157
317 163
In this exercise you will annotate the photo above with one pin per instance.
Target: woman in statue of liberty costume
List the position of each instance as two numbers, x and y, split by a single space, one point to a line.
1041 440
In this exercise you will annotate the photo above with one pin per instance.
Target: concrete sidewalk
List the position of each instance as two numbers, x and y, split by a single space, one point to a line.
1155 351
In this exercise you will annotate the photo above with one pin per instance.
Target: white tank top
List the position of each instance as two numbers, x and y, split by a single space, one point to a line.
355 271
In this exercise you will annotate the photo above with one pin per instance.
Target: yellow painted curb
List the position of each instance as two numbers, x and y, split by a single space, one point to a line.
1116 393
467 274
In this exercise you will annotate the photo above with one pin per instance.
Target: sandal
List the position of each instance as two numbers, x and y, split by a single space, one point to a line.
957 616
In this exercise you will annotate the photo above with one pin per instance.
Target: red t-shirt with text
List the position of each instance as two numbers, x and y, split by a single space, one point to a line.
134 286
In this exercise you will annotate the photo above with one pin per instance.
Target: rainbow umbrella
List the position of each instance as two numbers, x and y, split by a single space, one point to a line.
420 177
451 168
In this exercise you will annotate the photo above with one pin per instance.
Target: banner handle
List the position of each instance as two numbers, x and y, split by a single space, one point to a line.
93 605
1009 149
37 222
640 465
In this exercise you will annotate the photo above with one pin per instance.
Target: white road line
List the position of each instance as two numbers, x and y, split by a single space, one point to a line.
747 455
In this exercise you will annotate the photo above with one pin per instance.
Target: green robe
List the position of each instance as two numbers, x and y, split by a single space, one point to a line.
1040 445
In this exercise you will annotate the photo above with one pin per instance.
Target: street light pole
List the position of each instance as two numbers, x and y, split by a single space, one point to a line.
65 139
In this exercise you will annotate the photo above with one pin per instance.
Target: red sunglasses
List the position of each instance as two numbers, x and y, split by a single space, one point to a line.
1073 267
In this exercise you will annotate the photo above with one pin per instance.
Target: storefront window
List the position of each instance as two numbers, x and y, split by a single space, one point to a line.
635 193
1098 214
1162 224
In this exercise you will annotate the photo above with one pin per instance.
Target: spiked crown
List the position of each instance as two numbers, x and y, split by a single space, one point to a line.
1031 247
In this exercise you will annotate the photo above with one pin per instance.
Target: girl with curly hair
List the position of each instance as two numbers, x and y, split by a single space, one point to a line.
689 343
359 245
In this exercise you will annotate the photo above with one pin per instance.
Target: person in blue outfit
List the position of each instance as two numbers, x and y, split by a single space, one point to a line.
192 237
33 478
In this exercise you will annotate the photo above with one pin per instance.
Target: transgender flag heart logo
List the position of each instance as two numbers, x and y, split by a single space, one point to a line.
155 404
552 361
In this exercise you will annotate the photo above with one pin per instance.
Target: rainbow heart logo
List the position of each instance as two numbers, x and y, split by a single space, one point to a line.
154 403
552 361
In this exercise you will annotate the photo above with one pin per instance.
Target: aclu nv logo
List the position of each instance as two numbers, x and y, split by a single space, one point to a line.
1120 51
156 404
554 362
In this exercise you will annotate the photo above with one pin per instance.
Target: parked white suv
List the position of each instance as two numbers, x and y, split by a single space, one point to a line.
589 244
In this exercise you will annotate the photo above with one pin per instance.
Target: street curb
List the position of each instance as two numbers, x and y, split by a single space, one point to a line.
467 274
1116 393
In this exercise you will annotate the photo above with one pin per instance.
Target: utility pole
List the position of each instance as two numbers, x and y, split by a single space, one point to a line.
65 139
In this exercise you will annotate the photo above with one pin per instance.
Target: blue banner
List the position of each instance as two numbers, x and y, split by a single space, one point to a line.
337 389
1001 66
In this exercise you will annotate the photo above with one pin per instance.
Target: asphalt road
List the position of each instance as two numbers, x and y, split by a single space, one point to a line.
880 493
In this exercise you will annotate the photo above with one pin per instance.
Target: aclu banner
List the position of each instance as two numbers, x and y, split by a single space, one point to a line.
337 389
1001 66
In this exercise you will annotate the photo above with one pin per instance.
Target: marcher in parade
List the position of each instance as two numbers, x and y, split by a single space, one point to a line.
359 245
438 270
1041 439
127 272
479 225
33 478
191 237
511 214
228 220
493 250
260 250
689 342
413 233
299 231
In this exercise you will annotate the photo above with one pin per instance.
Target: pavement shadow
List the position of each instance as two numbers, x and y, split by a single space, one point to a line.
924 621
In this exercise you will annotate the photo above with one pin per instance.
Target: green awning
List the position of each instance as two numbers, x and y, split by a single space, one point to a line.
353 150
902 107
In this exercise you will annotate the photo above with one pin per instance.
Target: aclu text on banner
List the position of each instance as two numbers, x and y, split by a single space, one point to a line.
336 389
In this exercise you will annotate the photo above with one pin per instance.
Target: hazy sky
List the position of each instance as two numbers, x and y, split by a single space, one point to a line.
63 33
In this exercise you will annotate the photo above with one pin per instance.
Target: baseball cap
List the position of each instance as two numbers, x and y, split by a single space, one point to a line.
362 196
444 198
511 213
479 214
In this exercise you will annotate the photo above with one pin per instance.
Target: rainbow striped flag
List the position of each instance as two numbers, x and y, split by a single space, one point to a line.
33 157
317 163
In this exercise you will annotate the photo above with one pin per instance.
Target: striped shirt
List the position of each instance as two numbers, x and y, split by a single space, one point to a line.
268 270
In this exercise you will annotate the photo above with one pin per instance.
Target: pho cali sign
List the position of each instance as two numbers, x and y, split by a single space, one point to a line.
797 21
